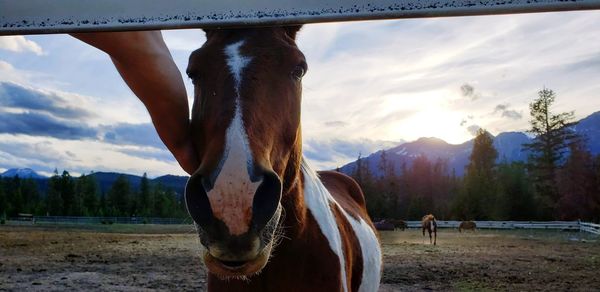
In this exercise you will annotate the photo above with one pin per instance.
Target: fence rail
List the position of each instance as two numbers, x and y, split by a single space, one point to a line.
559 225
61 16
103 220
590 227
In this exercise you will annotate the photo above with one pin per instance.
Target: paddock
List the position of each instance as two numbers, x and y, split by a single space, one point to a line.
165 257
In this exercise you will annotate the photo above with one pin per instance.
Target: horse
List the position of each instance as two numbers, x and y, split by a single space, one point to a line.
428 223
398 224
384 225
265 219
467 225
390 224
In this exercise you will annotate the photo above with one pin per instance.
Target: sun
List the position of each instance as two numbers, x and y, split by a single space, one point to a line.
434 122
427 115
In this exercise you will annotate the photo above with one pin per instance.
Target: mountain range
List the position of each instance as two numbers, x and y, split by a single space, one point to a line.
510 147
105 180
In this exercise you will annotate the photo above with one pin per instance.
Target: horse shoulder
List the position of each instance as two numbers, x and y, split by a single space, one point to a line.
366 248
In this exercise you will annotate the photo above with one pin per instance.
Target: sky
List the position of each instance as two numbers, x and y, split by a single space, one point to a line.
370 85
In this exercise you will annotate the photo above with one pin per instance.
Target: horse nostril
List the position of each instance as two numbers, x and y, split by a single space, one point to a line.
196 201
266 200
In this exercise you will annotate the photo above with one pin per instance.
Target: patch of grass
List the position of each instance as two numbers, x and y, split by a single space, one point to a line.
472 286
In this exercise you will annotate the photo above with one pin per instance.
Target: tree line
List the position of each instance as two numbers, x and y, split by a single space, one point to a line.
80 196
559 181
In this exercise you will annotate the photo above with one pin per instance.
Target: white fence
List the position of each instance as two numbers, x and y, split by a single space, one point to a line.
103 220
590 227
559 225
61 16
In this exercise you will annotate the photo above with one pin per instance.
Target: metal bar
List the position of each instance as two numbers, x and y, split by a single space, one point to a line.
64 16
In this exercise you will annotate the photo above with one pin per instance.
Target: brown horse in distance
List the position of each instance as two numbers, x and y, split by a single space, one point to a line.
428 223
266 220
467 225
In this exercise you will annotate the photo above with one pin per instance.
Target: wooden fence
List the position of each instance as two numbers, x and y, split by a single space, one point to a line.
558 225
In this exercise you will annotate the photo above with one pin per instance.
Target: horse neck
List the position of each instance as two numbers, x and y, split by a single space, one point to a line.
292 198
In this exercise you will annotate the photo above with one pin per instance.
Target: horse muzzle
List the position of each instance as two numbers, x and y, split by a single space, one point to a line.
229 252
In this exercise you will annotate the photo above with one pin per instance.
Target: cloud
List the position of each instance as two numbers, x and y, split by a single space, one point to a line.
512 114
335 124
19 97
150 153
20 44
41 124
132 134
590 62
506 112
468 91
37 155
473 129
37 113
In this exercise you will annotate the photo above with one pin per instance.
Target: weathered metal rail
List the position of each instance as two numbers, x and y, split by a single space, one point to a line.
559 225
63 16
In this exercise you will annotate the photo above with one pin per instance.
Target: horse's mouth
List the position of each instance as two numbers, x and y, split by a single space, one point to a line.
236 269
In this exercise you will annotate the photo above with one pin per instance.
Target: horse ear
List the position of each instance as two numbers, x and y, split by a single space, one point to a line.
208 32
292 30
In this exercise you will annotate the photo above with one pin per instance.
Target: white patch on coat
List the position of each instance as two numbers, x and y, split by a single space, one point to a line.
318 200
233 192
371 253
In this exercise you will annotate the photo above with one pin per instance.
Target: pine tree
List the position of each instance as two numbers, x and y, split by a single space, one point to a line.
515 201
88 192
477 198
119 197
552 137
577 185
67 192
31 196
3 202
419 188
54 201
14 197
144 196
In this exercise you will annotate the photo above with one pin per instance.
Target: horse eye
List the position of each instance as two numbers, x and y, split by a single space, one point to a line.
298 72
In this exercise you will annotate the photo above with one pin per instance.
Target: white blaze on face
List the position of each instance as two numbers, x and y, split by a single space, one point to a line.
233 192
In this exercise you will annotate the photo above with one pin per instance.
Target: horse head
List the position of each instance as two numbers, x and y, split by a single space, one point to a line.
246 129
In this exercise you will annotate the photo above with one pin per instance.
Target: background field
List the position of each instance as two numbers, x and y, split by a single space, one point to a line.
156 257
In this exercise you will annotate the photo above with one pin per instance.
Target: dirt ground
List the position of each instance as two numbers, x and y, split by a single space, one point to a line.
147 258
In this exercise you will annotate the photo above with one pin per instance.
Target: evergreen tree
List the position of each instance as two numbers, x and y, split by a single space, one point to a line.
54 201
14 197
87 190
67 192
419 188
119 197
577 185
477 197
516 200
144 197
552 136
3 201
31 196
